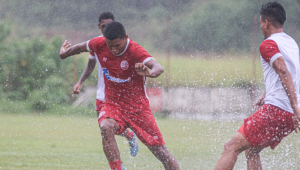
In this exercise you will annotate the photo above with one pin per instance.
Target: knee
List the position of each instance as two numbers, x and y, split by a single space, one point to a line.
160 151
231 147
163 151
253 152
227 147
106 126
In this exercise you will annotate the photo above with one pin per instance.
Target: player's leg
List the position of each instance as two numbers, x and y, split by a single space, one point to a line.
164 156
111 124
253 158
129 135
232 149
109 128
146 129
132 141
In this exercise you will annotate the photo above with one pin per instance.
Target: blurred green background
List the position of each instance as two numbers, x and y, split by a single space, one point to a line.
200 43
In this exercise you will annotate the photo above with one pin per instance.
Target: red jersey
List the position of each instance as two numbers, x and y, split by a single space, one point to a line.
123 86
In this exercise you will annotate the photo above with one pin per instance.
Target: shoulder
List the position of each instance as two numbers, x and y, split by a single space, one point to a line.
97 41
139 53
268 48
136 49
268 43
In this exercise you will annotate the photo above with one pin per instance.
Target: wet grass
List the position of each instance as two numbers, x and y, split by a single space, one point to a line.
33 141
221 70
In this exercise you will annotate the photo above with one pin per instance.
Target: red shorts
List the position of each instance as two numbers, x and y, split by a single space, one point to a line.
98 105
267 126
143 124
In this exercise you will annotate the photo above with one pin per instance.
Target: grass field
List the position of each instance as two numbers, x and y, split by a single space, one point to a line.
31 141
221 70
215 70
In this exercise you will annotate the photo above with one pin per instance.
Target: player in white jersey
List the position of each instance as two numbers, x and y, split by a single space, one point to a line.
104 19
278 114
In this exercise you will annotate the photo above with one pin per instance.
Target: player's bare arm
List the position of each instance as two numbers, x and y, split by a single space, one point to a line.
86 73
67 50
288 85
143 69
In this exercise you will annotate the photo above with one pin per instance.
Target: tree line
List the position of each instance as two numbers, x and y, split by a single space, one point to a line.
194 25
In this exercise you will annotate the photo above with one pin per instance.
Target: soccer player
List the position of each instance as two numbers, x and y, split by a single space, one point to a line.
104 19
125 65
279 114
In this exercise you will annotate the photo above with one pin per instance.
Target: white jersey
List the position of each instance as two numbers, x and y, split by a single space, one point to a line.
277 45
100 85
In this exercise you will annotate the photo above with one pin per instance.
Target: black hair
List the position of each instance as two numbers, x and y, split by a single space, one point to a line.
114 30
106 15
274 13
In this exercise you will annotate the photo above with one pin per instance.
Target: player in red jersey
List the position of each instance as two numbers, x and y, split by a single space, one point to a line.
279 112
125 65
104 19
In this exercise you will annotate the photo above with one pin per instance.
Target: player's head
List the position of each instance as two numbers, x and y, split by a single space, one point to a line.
272 15
104 19
115 36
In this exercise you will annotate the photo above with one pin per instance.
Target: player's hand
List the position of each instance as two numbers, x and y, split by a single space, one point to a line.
142 69
296 118
76 89
259 103
63 48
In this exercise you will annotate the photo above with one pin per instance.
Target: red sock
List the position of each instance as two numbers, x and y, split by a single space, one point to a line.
115 165
128 134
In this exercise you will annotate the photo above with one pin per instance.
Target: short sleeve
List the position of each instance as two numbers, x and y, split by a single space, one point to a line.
92 56
142 55
91 45
87 46
269 51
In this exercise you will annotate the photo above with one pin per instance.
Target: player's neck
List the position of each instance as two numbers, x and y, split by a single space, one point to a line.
274 31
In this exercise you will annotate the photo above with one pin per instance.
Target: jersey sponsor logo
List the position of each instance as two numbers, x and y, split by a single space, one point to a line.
104 59
124 65
111 78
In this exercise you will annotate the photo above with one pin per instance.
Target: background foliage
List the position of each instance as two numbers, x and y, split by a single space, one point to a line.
196 25
31 33
31 70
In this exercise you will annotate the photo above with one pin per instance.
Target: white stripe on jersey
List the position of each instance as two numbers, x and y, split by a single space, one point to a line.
148 59
100 85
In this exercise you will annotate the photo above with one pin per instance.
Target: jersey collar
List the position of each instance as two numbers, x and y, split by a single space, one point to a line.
278 33
127 43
